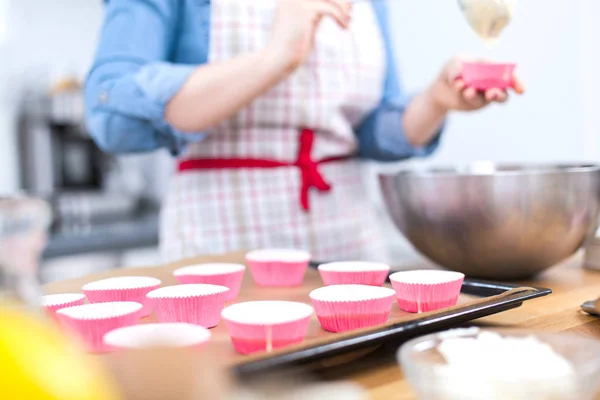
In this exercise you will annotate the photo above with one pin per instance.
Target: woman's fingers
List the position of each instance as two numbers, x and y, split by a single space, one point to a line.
332 8
473 98
502 97
344 5
470 94
459 85
497 95
296 23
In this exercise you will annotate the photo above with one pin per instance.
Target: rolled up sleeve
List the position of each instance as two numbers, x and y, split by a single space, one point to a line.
381 135
382 138
131 82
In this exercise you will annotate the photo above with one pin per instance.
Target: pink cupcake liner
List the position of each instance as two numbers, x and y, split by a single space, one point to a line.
90 322
228 275
485 75
123 288
354 273
199 304
278 268
179 335
424 290
257 326
342 308
54 302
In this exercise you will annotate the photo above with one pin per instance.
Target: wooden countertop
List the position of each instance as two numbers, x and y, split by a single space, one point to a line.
379 373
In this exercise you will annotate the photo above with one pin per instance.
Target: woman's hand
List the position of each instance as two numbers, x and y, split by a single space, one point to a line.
425 114
449 92
222 89
295 25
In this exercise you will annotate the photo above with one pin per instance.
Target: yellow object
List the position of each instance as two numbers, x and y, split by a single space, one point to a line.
38 363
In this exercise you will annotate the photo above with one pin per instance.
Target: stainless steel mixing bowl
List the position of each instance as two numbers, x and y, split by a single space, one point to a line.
499 222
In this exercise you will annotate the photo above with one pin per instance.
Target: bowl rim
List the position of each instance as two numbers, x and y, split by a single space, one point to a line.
404 352
499 169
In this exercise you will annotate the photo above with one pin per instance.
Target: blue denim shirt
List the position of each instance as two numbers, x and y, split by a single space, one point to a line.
147 50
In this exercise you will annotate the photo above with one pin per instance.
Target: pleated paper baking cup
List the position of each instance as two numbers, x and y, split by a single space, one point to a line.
342 308
229 275
179 335
354 273
425 290
266 325
278 267
90 322
54 302
122 288
486 75
195 303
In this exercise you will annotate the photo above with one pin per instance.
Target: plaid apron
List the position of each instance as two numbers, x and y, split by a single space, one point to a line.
279 173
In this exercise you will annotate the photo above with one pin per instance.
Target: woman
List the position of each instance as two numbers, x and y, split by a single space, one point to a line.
269 105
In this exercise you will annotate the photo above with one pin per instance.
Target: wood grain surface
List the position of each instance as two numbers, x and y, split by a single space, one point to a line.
378 372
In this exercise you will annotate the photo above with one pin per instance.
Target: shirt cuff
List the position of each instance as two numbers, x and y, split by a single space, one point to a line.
176 141
144 96
392 136
382 136
161 81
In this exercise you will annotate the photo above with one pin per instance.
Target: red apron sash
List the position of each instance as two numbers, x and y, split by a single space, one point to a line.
310 174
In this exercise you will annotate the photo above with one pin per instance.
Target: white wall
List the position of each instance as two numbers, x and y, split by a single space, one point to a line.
591 65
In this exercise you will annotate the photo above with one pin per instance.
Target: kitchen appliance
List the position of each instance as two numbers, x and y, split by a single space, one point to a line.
57 153
61 162
495 221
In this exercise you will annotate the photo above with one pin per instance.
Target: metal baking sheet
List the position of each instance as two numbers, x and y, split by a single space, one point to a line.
478 299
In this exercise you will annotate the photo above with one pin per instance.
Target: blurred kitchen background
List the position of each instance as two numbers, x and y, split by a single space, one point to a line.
106 207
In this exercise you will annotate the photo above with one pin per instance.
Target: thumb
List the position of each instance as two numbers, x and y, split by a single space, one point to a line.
517 85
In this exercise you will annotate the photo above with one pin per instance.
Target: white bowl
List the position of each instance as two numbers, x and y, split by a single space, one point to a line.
521 369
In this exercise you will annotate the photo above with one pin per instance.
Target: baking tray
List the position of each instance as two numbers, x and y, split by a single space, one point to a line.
323 349
479 298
